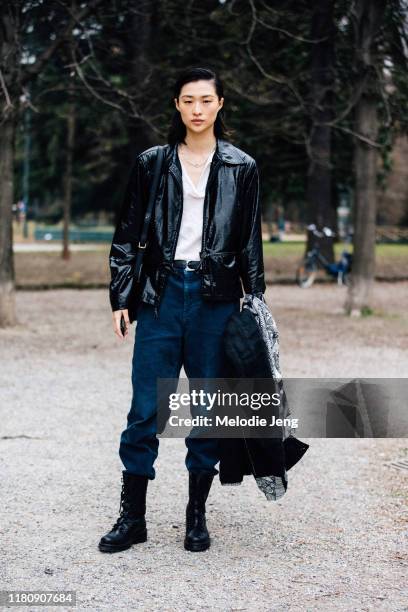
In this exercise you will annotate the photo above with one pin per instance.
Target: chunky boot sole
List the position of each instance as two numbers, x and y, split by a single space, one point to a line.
138 539
197 546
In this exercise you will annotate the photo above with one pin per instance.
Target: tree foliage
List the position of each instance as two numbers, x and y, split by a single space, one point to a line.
126 56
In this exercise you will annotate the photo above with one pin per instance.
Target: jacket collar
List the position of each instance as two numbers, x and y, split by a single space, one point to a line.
226 152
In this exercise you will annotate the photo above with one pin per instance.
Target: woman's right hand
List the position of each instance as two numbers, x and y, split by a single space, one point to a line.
117 315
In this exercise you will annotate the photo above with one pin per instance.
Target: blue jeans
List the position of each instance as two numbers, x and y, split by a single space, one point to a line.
189 332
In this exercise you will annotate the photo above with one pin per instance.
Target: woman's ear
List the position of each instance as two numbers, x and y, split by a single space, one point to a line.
176 104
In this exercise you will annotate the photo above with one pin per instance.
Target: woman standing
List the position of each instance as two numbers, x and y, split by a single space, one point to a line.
205 239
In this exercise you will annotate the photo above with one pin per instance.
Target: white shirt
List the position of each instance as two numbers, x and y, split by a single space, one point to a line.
191 227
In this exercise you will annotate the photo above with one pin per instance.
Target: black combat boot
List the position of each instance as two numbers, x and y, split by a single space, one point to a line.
130 528
197 536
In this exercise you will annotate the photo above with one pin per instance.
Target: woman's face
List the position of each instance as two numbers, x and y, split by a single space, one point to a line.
198 105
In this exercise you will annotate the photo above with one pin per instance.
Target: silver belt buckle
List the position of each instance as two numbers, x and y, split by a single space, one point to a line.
187 267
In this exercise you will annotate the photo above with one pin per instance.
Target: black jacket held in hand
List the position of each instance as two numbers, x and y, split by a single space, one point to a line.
247 357
232 240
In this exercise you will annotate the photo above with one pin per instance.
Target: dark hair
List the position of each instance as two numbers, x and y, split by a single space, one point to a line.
177 131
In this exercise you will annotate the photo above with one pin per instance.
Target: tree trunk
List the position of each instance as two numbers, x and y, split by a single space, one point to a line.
7 294
365 167
141 39
368 19
319 186
68 174
9 61
13 77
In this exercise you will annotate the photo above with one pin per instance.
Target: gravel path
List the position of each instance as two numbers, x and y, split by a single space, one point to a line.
336 541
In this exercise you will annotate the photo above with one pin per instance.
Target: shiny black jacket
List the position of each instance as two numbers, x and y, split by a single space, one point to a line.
232 239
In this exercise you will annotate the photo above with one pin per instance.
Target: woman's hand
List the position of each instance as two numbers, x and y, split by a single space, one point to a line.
117 315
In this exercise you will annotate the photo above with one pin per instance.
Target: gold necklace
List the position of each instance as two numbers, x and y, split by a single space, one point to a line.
196 165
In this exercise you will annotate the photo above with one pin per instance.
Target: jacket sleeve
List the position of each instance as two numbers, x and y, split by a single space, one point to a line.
251 253
125 238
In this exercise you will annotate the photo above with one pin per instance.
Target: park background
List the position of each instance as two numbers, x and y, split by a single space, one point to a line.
317 94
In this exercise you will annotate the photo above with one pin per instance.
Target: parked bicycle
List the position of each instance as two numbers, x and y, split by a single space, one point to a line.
314 260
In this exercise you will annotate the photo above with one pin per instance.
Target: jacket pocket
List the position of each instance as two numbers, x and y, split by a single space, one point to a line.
225 275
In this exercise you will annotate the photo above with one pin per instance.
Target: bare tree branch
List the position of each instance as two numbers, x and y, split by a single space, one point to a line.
34 69
134 111
276 79
9 104
365 139
268 26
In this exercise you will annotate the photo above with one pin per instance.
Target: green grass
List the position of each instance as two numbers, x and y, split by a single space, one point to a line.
286 249
392 250
283 249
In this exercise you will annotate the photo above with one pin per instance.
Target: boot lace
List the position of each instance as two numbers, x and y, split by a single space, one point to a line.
123 509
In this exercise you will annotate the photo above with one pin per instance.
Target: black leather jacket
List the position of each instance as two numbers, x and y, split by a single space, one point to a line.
232 239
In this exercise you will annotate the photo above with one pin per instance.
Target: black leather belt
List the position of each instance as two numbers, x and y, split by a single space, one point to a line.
189 264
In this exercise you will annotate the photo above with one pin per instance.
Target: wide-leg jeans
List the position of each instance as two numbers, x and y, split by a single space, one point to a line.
187 332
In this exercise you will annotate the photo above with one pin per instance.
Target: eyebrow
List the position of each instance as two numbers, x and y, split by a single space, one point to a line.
203 96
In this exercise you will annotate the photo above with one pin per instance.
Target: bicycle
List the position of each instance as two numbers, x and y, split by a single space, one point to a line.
307 271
